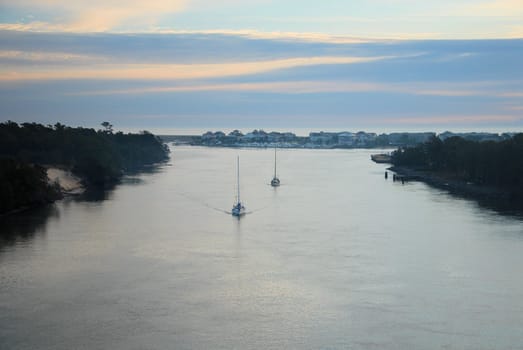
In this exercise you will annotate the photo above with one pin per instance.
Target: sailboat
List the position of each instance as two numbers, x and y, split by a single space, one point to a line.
238 209
275 182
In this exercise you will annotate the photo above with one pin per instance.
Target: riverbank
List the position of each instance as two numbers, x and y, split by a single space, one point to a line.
39 164
483 170
69 183
497 197
24 185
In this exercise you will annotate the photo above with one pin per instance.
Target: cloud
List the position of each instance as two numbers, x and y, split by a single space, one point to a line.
273 35
100 15
100 23
84 26
177 71
330 38
513 94
34 26
281 87
481 89
42 56
503 8
371 20
247 77
516 32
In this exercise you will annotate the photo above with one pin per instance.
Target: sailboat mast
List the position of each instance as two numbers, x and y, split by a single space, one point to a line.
275 162
238 179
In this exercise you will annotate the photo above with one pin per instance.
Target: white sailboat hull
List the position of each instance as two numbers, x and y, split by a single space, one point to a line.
238 210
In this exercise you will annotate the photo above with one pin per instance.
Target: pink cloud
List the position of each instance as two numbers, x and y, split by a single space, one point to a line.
174 71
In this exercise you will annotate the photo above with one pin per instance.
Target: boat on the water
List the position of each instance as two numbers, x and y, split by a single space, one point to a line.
238 209
275 182
381 158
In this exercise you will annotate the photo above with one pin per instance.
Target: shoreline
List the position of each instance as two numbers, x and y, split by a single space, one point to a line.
285 146
69 183
73 186
495 197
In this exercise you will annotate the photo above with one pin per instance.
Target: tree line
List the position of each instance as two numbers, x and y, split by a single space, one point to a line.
498 164
24 185
99 157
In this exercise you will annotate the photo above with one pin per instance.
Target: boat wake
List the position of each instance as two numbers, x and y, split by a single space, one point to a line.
217 209
202 203
220 210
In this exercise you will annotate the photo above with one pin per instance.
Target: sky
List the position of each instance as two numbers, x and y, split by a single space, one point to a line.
186 66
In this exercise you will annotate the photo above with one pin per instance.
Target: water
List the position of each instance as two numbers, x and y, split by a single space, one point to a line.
337 257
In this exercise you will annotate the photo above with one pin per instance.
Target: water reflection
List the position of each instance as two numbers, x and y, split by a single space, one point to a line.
132 178
24 226
512 207
237 238
334 257
96 194
505 204
509 206
148 169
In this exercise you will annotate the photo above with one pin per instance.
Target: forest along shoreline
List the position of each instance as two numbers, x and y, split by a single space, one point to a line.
491 172
40 164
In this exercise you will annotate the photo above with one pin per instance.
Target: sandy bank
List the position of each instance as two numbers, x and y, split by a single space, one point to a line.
69 183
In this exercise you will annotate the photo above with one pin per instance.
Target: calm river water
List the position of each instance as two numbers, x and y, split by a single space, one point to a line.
335 258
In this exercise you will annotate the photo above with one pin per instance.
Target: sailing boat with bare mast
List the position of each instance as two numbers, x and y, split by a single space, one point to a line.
275 182
238 209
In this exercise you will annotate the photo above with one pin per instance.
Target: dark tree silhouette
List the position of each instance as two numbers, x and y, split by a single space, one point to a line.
98 157
498 164
108 127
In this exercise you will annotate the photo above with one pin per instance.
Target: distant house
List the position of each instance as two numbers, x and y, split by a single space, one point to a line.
208 138
274 136
323 138
472 136
409 138
289 137
260 138
234 136
236 133
255 136
364 139
483 136
508 135
346 138
421 137
445 135
213 138
208 135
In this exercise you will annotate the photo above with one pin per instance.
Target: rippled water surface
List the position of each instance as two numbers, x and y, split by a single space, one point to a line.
337 257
